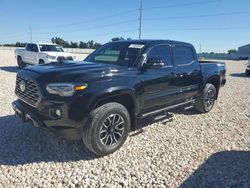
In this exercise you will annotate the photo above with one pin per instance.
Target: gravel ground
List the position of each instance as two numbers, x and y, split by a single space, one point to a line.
192 150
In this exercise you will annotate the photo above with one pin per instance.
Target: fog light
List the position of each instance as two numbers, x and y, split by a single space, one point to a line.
55 113
58 112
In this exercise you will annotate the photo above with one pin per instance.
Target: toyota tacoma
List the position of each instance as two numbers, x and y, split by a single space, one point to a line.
41 53
100 99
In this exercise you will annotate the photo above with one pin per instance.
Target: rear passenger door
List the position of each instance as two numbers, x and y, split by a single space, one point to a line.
188 72
27 55
34 54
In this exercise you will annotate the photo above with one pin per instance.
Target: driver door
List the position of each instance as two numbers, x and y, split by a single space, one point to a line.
158 81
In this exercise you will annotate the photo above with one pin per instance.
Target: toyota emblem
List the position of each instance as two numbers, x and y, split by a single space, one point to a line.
22 86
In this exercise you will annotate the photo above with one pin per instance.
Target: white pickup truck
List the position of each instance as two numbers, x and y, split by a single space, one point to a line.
40 53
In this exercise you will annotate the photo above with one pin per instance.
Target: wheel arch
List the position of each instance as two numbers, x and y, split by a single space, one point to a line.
215 80
125 98
40 61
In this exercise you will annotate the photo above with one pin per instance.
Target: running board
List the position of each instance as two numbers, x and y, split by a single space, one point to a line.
189 107
167 108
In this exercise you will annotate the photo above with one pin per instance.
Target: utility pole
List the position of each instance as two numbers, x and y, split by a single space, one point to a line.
200 48
140 24
30 33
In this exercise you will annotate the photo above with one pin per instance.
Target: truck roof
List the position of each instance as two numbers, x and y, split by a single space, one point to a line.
44 43
152 41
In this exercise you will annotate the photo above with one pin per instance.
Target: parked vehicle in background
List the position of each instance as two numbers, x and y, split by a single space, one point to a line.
248 68
100 99
41 53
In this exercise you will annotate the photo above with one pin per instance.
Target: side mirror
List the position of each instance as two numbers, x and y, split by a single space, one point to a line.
154 63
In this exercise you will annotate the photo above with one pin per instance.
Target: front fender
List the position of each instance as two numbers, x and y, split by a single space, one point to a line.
114 92
82 106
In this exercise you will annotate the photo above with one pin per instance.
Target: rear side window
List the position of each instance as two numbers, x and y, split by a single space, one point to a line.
161 52
34 48
183 55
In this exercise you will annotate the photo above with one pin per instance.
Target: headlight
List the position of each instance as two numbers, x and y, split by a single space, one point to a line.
51 57
65 89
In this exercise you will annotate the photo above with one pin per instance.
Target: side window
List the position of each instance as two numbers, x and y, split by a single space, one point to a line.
161 52
29 47
34 48
183 55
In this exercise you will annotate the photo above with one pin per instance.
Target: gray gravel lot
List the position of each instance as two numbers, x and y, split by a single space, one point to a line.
192 150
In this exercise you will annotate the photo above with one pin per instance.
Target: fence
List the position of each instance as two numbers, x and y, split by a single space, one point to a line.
207 56
70 50
220 56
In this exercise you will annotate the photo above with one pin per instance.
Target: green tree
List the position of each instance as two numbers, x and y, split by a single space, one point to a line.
82 44
117 39
232 51
90 44
60 41
20 44
97 45
73 44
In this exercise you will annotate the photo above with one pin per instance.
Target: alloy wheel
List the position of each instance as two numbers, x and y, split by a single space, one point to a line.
209 99
112 130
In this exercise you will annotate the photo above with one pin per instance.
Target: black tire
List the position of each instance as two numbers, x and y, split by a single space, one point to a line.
205 101
41 62
98 128
20 63
247 72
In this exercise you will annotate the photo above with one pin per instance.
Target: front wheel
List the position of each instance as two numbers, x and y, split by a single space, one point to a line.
20 63
205 101
41 62
107 129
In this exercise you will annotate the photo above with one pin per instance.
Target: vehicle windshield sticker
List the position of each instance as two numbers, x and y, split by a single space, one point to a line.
136 46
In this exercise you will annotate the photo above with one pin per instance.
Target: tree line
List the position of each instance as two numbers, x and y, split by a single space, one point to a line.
91 44
65 44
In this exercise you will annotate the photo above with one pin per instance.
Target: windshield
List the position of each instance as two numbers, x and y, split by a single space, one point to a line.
124 54
50 48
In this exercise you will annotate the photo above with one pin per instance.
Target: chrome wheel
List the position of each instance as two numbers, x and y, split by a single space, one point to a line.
112 130
209 99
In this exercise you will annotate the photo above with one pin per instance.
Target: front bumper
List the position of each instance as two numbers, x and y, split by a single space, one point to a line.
62 126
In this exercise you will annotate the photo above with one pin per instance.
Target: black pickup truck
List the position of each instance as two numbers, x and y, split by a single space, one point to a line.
100 99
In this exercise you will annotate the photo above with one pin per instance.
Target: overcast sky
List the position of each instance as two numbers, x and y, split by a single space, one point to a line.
216 25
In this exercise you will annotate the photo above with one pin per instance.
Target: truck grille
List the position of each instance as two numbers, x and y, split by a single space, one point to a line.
62 58
30 93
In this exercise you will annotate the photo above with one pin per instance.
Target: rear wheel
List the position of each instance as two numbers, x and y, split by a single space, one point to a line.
20 63
205 101
107 129
247 72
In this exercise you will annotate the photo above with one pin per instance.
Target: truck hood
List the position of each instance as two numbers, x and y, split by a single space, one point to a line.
58 54
76 71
